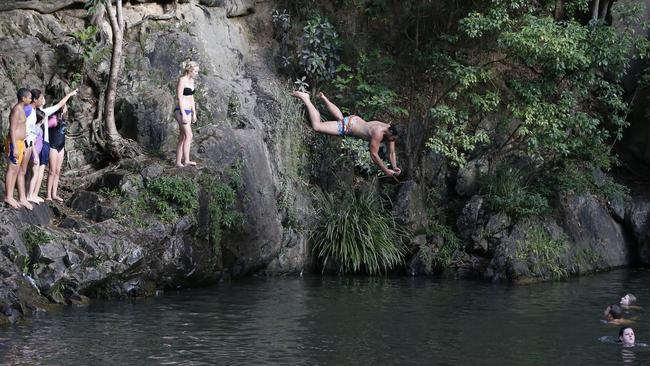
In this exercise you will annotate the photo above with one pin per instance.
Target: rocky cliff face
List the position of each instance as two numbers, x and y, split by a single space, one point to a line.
89 247
83 248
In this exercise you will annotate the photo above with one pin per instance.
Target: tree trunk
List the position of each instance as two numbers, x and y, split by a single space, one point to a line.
595 7
117 26
39 6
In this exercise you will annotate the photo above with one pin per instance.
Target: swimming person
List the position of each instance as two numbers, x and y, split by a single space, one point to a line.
373 131
614 315
56 131
626 337
185 112
627 301
42 145
15 148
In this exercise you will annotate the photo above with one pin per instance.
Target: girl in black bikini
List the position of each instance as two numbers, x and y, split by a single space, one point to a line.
57 127
185 113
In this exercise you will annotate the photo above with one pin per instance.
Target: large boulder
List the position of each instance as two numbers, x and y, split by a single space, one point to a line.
409 208
598 241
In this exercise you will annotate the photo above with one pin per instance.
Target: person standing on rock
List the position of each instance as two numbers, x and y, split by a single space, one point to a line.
15 148
57 127
373 131
185 112
42 144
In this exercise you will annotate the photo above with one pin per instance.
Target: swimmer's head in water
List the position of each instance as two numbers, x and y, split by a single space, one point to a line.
626 336
628 300
24 95
614 312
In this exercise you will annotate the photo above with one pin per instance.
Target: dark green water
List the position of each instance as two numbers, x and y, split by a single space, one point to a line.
343 321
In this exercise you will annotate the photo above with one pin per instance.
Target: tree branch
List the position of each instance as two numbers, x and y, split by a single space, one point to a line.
39 6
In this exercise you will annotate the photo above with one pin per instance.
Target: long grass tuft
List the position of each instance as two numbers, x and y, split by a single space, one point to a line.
357 233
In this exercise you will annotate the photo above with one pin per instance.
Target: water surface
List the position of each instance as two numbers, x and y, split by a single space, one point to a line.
343 321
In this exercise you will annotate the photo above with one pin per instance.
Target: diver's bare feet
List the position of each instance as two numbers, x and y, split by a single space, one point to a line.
12 202
179 165
48 198
32 199
58 198
300 95
192 163
39 199
26 204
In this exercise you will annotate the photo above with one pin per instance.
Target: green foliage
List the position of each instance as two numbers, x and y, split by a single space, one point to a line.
319 52
357 233
587 259
356 151
165 192
574 177
365 86
451 249
33 236
86 39
545 256
222 205
452 139
447 253
506 191
164 197
554 83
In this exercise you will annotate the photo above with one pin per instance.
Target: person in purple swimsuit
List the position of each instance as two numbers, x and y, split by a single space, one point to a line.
41 155
185 113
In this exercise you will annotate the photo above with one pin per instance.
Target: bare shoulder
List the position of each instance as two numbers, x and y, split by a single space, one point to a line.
17 109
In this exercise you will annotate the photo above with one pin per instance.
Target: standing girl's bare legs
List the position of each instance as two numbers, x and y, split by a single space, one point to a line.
329 127
56 162
35 183
331 107
187 132
32 182
181 139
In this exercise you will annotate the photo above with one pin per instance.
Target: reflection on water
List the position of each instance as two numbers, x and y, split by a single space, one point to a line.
343 321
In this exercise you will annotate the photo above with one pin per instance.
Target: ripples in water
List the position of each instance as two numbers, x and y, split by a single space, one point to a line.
342 321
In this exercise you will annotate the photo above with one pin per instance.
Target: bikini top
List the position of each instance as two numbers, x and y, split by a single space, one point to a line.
188 91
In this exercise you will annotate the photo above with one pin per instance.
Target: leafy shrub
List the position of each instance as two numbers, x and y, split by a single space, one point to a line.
579 178
357 233
544 255
319 52
365 86
180 192
222 203
33 236
165 197
505 191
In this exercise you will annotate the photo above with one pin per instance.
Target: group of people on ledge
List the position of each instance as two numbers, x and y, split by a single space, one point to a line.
37 137
613 314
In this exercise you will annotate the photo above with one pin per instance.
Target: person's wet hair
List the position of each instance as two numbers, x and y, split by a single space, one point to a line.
394 130
23 92
615 311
